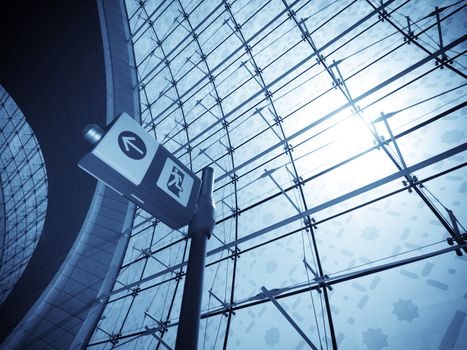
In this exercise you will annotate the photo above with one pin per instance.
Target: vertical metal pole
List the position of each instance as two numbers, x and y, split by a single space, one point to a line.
199 230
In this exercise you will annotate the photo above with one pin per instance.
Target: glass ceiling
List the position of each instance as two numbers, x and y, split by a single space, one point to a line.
23 182
337 130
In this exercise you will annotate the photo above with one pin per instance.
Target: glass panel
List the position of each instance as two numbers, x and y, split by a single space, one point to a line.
337 133
23 194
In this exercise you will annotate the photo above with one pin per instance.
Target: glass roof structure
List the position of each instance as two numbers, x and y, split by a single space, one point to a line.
338 135
23 183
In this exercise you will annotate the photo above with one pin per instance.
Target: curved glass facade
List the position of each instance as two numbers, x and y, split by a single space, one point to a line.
337 130
24 185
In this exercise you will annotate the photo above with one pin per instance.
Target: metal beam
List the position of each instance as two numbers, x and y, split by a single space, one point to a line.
286 73
409 37
306 287
345 105
361 190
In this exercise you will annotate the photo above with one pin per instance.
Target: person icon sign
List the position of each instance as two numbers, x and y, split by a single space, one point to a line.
175 181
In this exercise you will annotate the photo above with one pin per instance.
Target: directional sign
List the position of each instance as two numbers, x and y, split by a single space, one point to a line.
132 145
175 182
127 148
135 165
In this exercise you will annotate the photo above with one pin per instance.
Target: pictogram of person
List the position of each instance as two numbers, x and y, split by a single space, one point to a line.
175 181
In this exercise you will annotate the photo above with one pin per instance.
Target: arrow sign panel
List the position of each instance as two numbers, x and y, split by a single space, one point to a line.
135 165
127 148
132 145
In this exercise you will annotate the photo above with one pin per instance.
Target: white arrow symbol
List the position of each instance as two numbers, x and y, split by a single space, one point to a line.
128 142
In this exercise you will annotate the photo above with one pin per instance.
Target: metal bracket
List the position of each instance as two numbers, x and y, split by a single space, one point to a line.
321 280
115 337
383 14
235 253
226 307
410 36
162 326
152 332
459 238
309 223
411 182
270 296
444 58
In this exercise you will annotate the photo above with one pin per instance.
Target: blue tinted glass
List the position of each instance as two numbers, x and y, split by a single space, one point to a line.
23 193
337 130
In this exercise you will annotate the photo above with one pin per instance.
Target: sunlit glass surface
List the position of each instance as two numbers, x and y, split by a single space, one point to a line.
337 131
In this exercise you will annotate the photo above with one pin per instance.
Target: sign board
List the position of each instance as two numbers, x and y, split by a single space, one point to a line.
127 148
175 182
135 165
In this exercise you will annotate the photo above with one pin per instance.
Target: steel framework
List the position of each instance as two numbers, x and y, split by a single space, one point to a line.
337 132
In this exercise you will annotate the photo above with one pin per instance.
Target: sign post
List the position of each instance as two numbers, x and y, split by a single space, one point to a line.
199 230
127 159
